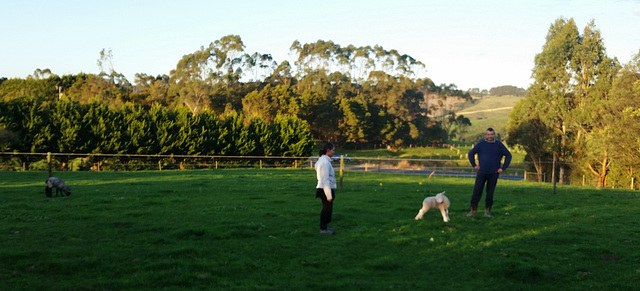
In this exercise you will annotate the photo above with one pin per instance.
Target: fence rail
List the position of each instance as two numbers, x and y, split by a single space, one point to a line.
14 161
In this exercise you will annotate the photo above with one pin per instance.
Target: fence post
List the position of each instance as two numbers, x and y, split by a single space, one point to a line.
341 168
48 163
159 165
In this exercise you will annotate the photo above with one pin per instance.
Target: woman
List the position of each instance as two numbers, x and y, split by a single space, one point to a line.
325 190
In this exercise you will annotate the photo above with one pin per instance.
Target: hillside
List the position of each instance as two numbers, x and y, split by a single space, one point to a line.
485 112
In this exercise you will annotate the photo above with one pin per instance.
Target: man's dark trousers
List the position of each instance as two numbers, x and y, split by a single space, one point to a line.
490 180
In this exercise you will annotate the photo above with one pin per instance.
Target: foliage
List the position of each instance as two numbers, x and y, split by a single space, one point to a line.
507 90
574 110
94 128
346 94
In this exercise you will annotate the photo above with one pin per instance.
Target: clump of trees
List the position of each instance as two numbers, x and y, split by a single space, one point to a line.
507 90
350 95
581 111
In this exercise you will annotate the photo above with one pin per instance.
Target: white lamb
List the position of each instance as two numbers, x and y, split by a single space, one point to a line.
435 202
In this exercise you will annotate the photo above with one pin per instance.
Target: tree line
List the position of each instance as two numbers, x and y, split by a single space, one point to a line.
69 127
353 96
582 111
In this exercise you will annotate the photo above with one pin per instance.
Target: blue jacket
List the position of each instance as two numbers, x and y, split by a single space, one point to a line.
489 156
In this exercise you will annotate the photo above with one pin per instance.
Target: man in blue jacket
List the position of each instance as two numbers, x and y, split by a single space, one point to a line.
490 153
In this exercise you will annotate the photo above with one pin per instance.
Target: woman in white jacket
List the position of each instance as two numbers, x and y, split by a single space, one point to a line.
325 190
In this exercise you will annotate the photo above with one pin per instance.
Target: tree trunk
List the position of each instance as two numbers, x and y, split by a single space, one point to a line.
601 175
537 164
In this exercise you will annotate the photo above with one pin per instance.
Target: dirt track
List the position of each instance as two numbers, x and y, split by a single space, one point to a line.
485 110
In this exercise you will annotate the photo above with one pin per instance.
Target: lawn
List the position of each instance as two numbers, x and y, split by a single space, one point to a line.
257 229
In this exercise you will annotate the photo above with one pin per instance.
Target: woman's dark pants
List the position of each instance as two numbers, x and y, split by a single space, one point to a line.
327 207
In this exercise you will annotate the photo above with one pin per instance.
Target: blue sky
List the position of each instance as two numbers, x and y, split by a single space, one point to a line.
470 43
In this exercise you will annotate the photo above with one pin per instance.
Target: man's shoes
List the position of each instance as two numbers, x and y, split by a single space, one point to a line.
472 211
327 231
487 212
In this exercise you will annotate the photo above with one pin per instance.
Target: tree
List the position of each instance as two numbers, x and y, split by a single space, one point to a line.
294 136
526 129
595 112
552 86
625 93
504 90
192 80
103 129
66 127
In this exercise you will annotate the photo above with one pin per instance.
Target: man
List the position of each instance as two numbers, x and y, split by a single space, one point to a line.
490 153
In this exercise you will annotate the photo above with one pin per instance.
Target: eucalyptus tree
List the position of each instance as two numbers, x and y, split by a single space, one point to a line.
259 66
553 87
570 96
281 75
270 101
198 76
192 80
258 104
625 123
594 111
317 104
313 57
227 53
150 90
392 113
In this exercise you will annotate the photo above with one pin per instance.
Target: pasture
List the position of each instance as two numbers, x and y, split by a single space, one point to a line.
257 229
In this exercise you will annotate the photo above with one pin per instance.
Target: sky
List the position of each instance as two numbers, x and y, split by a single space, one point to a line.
469 43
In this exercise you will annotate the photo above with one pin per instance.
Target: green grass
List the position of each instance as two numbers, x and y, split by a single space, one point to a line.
258 230
407 153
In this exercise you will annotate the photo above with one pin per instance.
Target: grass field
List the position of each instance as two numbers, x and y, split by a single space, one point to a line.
489 111
455 156
258 230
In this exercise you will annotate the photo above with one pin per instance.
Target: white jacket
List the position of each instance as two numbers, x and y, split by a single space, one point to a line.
326 176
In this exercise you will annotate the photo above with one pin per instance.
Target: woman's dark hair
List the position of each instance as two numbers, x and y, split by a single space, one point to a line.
327 146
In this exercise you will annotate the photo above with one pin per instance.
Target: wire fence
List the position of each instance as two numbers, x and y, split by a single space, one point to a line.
451 166
446 166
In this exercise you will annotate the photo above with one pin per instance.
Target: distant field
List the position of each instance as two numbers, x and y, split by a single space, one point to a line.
258 230
488 112
458 153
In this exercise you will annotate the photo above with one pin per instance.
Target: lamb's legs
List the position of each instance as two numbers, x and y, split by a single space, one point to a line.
445 214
